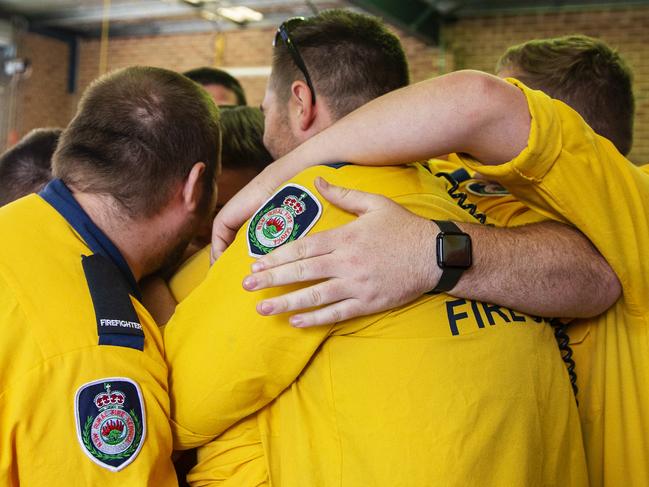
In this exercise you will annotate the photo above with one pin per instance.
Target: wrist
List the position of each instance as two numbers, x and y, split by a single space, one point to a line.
430 229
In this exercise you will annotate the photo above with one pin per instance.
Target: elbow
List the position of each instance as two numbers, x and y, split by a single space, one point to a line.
484 89
483 94
496 117
475 81
603 290
608 292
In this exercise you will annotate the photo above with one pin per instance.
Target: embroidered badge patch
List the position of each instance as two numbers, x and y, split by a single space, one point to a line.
110 421
486 188
288 215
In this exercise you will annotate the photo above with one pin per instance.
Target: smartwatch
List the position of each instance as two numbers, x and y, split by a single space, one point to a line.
454 255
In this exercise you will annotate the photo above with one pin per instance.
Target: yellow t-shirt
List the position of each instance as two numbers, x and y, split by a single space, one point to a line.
74 412
190 274
570 173
442 391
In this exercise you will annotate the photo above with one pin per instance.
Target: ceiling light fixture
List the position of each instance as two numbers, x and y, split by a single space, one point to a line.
211 16
240 14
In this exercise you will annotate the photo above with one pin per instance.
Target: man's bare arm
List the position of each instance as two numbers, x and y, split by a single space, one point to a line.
464 111
547 269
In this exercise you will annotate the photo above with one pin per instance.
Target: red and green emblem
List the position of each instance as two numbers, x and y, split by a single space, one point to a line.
110 421
286 216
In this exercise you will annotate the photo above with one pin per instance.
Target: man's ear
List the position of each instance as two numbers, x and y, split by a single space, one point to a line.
302 98
193 187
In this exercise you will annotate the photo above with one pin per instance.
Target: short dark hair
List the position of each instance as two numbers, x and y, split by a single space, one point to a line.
213 76
242 129
27 166
137 133
586 74
351 58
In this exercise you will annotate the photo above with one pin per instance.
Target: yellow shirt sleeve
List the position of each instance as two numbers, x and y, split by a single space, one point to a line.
39 445
54 371
234 459
569 172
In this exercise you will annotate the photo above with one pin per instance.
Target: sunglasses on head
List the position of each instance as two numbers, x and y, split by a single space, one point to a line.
283 32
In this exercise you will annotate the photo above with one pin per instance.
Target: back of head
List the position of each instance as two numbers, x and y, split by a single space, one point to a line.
351 58
27 166
584 73
243 147
136 135
212 76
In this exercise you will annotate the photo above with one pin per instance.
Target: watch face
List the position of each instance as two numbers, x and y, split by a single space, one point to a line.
454 250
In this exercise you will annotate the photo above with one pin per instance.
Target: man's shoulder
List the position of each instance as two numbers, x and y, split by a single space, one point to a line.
41 271
390 181
36 239
27 221
27 207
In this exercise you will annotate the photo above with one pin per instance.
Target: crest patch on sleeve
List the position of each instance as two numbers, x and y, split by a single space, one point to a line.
110 421
287 215
486 188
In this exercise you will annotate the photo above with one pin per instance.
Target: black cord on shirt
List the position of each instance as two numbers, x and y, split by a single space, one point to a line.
461 197
560 329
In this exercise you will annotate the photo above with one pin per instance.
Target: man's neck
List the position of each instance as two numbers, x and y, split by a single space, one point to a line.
135 239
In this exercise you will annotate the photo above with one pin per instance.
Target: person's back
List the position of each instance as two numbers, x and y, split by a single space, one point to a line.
83 381
47 358
408 397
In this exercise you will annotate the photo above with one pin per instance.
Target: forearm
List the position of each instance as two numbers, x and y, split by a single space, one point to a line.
465 111
546 269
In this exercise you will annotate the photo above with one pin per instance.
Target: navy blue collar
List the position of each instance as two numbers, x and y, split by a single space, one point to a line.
57 194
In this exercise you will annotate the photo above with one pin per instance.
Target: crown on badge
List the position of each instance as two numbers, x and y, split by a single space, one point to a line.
109 399
295 204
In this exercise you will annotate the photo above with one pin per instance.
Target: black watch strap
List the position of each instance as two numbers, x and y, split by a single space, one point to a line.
450 275
447 227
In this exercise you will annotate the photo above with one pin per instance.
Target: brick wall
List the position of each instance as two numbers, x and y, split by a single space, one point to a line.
470 43
183 52
228 49
44 101
478 43
42 98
